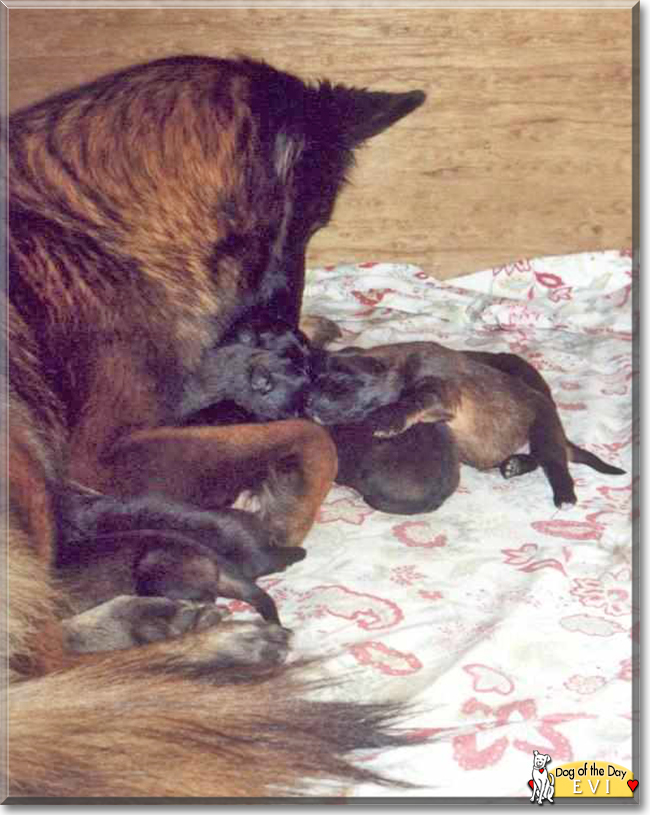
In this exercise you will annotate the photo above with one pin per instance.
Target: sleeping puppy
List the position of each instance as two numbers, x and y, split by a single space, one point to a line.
491 412
152 547
261 368
407 474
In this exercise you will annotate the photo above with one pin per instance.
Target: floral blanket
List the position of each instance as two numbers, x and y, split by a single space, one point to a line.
507 623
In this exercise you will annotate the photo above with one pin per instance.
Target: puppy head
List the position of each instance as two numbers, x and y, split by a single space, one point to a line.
277 366
347 387
277 386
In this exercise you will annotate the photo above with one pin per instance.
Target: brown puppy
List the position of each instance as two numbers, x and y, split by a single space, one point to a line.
395 474
491 412
147 212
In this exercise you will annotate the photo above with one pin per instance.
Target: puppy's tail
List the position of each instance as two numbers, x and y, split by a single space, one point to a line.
580 456
129 725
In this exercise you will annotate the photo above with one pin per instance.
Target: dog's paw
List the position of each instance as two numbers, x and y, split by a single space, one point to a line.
126 621
561 484
158 621
564 496
517 465
251 643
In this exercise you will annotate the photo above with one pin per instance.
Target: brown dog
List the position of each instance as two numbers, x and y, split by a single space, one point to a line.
147 212
492 409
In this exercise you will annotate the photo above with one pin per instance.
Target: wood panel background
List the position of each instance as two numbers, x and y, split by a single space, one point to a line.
523 147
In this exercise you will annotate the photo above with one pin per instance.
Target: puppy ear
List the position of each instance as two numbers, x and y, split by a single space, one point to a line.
535 753
363 114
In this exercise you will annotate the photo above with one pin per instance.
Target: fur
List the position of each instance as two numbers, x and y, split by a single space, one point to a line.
153 547
492 403
148 211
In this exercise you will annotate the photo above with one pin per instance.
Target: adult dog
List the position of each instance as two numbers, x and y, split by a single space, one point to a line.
147 212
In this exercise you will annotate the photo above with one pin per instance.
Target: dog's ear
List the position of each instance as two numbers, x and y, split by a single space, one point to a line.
535 753
363 114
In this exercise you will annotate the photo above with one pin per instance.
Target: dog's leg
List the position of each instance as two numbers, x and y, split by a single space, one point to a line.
209 466
433 400
125 622
550 788
548 447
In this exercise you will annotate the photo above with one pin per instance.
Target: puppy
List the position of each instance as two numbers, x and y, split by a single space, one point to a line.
260 369
391 474
152 547
491 412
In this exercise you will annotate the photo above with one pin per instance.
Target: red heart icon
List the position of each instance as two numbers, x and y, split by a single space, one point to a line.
633 784
530 783
542 770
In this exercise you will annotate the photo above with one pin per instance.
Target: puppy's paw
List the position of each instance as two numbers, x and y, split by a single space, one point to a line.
565 496
517 465
561 484
387 434
255 643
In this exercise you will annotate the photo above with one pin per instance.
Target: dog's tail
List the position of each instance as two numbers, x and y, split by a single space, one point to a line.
131 724
581 456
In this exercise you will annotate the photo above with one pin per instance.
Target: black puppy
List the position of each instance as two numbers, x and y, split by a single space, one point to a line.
260 370
153 547
492 409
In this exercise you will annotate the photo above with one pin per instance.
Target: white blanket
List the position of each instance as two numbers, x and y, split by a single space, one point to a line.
505 621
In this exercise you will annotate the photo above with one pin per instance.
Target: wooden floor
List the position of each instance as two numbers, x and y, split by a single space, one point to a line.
523 148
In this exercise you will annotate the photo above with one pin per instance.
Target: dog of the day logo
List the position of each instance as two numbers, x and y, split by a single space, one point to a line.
542 781
580 779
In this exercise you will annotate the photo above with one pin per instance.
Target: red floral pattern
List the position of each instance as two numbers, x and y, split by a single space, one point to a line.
508 623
